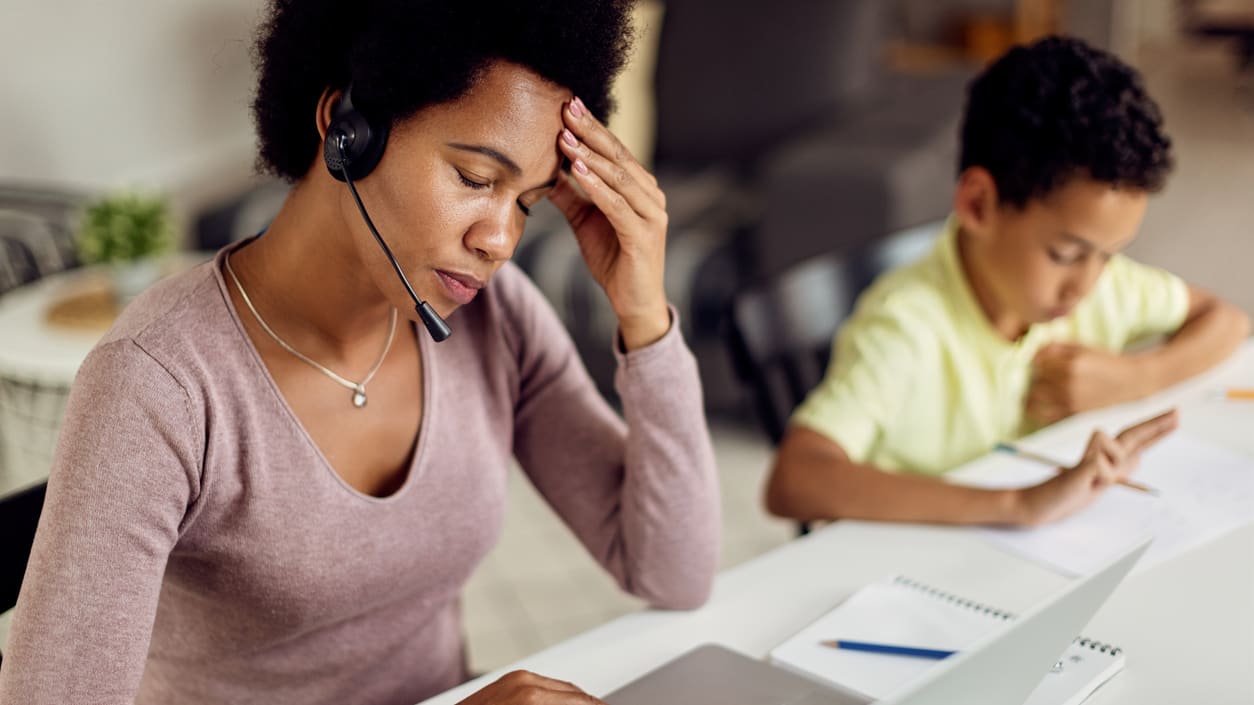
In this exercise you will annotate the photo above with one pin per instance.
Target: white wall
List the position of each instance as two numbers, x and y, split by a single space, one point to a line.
155 94
150 93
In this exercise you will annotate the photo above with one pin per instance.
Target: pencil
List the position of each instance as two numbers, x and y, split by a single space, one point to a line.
888 649
1236 393
1046 460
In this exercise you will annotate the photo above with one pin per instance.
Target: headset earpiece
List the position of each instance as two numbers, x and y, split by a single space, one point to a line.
352 141
355 145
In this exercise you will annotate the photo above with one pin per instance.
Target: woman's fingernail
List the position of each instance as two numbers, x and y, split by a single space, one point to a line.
569 138
581 167
576 108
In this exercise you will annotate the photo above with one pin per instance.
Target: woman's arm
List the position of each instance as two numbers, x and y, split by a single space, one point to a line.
125 472
641 495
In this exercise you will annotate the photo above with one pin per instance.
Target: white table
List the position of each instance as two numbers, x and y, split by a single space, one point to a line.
1187 624
38 362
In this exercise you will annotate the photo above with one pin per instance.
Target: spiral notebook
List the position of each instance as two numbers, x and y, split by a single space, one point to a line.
905 612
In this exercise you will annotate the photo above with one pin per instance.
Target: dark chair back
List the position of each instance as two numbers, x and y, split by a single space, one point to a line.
780 335
17 263
735 76
19 517
37 227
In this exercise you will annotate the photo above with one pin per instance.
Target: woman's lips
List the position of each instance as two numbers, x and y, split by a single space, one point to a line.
460 287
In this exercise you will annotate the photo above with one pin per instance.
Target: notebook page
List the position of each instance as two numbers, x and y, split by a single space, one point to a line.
1205 491
884 612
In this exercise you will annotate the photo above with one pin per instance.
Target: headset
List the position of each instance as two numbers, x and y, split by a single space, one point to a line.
352 148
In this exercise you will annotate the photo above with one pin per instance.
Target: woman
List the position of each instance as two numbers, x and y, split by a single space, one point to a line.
272 484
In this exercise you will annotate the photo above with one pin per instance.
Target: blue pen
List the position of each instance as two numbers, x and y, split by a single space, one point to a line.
888 649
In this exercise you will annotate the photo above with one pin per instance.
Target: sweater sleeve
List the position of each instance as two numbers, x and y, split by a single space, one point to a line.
642 493
125 475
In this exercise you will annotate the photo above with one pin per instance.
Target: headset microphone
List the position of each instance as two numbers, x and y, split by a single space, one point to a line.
352 148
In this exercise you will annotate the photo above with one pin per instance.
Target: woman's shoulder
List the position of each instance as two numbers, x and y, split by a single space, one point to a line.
181 321
180 297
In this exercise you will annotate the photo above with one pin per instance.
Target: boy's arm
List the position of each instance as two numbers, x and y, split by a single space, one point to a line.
813 479
1211 332
1072 378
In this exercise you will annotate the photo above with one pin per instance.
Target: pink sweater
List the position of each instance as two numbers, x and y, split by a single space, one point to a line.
196 547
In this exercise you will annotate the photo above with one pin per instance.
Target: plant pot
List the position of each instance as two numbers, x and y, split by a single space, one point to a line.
130 277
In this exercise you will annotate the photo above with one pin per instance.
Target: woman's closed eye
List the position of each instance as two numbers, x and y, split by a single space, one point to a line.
467 181
479 185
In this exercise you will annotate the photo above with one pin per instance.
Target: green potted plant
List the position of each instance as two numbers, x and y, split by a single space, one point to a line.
127 231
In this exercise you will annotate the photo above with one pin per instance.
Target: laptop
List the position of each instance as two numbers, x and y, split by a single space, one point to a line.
1004 667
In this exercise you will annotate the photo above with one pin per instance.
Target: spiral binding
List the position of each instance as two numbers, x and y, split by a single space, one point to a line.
1081 641
1098 646
952 598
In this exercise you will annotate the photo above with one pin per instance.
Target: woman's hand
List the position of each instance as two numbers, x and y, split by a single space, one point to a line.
620 224
526 688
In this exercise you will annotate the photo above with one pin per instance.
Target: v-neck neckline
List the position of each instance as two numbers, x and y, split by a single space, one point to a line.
425 364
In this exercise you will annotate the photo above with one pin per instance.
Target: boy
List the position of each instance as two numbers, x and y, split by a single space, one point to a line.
1019 317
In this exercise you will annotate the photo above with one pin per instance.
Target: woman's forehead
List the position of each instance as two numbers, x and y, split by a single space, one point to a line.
509 109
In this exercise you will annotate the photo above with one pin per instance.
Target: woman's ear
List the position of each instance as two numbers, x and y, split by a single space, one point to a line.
975 201
325 109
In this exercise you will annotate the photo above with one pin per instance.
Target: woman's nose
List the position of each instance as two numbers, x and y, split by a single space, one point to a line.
494 237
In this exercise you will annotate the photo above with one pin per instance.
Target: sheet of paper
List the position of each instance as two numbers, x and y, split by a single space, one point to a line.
1205 491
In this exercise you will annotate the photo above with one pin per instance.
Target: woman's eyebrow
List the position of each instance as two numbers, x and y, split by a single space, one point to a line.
489 152
504 160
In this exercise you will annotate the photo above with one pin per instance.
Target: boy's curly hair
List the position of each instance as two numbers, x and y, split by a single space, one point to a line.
1059 109
402 56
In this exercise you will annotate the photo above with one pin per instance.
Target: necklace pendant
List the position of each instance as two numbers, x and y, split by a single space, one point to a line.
359 397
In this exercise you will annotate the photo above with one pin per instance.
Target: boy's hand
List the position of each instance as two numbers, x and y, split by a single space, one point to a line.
620 225
1069 378
1106 461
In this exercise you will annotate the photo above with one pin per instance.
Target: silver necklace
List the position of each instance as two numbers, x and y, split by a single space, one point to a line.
358 388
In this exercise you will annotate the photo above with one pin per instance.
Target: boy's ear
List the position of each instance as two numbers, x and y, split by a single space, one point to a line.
975 201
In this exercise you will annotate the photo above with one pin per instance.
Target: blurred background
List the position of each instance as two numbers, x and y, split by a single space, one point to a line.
805 147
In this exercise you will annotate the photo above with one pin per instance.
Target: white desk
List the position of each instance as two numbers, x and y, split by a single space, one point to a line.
1187 625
